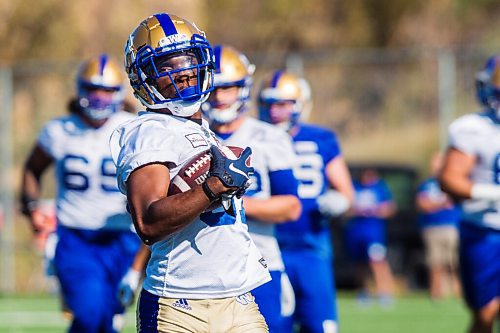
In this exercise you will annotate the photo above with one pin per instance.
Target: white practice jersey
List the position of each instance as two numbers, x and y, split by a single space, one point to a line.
272 150
214 256
87 193
479 135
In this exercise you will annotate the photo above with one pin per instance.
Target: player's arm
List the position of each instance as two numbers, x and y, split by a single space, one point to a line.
454 176
130 281
157 215
34 167
386 209
426 205
282 206
339 177
338 200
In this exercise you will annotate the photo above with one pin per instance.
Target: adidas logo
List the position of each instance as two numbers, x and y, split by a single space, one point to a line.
182 303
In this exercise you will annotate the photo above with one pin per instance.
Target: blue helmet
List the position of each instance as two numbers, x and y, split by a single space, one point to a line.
283 86
99 73
170 64
233 69
488 85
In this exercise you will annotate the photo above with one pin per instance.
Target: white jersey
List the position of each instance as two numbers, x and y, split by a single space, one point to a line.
272 150
478 135
214 256
87 194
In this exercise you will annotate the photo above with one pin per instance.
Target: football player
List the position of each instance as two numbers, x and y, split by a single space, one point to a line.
306 244
203 264
95 242
471 174
438 218
365 234
272 197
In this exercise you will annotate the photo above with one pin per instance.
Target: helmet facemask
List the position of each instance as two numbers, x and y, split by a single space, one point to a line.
177 77
282 113
99 88
226 111
488 86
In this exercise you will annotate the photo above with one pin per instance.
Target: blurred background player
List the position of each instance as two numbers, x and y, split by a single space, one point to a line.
365 236
471 173
438 218
272 197
95 242
306 244
203 263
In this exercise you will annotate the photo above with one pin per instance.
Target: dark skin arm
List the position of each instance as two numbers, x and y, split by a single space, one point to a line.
157 215
34 167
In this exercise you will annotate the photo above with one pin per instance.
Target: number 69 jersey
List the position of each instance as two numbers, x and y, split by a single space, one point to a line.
87 192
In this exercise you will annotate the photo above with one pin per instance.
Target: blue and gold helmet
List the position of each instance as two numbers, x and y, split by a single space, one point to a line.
96 75
488 85
233 69
282 86
170 64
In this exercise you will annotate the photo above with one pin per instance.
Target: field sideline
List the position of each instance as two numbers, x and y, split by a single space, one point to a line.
410 314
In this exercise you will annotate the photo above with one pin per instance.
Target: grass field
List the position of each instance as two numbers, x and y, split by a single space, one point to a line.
410 314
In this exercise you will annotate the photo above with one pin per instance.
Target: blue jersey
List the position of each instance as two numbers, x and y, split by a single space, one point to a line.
368 197
448 215
315 148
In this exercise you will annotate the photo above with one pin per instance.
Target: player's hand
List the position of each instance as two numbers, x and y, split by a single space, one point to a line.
38 221
128 286
332 203
233 174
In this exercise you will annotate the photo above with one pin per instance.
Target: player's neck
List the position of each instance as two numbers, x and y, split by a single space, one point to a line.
95 124
230 127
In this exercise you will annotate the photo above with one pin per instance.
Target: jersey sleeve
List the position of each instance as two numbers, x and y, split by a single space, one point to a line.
281 160
331 146
279 151
136 144
50 138
464 134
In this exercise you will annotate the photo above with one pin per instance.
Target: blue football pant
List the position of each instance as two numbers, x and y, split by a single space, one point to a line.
312 279
89 266
479 264
268 298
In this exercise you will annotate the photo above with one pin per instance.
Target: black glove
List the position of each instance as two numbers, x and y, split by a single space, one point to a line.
234 174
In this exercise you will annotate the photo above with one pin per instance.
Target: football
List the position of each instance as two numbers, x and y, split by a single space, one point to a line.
195 172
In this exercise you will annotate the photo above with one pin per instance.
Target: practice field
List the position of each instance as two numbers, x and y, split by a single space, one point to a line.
411 314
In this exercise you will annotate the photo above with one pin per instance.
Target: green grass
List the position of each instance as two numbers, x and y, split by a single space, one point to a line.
410 314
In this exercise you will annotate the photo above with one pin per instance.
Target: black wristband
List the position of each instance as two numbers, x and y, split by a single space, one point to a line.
28 204
208 192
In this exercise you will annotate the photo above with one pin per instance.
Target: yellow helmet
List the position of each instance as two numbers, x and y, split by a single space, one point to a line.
99 73
281 86
157 40
232 69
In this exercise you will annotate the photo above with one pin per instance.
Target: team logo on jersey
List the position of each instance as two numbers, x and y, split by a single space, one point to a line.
182 303
245 299
263 262
196 140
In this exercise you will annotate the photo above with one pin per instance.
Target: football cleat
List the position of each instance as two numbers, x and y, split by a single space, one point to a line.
99 87
170 64
281 99
488 85
233 69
